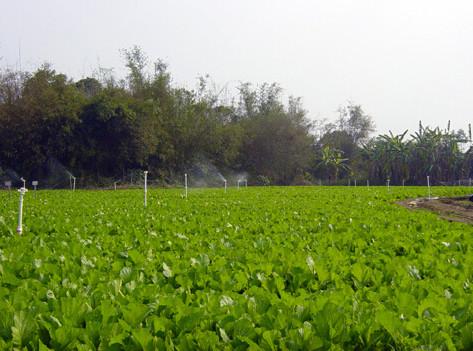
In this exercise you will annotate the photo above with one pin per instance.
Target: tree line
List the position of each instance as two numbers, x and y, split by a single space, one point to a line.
103 128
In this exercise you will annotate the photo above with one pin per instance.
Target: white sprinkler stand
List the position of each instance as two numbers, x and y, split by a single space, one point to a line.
185 183
428 186
19 229
146 188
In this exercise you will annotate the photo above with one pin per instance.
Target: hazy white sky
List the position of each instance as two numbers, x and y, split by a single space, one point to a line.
402 60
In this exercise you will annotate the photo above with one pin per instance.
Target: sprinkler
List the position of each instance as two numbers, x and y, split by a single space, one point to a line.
225 184
238 184
146 187
367 183
185 183
389 189
24 182
19 229
355 183
115 185
428 186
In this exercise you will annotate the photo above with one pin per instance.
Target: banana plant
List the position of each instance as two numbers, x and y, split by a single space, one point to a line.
333 162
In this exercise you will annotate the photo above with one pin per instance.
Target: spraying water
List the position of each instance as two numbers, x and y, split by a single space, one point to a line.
204 173
58 176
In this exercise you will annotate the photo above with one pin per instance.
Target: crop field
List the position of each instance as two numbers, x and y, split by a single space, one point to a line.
289 268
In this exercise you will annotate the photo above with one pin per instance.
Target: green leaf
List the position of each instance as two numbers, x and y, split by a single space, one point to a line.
144 338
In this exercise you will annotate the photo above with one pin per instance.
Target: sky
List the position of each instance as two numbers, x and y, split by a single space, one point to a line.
402 61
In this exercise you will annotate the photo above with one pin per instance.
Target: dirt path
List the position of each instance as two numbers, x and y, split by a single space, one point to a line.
458 209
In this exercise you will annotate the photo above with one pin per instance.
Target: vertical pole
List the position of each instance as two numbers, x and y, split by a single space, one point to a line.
238 184
73 183
19 229
355 183
389 180
367 183
246 183
403 181
185 182
146 188
469 182
225 184
428 186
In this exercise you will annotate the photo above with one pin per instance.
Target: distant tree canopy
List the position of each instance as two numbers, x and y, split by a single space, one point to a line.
103 128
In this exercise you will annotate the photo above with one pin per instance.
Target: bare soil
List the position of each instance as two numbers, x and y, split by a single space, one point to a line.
457 209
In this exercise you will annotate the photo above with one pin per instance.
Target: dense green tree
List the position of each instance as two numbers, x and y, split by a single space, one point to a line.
103 127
